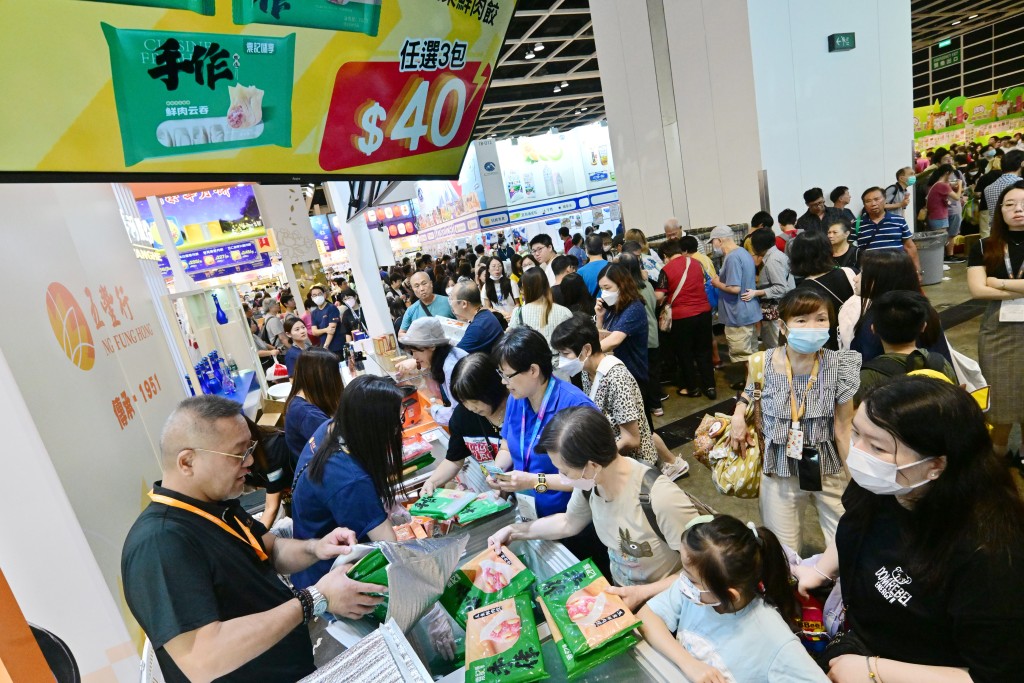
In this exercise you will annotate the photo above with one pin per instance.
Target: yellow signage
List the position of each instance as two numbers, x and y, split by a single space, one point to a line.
265 89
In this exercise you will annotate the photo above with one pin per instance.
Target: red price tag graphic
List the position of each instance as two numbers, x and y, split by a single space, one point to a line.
379 113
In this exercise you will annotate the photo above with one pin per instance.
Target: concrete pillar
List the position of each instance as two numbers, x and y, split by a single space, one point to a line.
678 84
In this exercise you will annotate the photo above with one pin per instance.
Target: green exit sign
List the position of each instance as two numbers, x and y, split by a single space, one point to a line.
840 42
945 43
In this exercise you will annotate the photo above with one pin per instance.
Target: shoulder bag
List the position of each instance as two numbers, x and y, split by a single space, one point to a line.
734 474
665 314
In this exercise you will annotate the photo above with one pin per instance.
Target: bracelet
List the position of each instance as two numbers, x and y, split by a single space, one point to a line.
823 574
306 600
743 399
871 674
878 676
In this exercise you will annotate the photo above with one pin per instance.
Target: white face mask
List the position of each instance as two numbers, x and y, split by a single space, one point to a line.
583 484
496 277
351 303
571 366
879 476
318 300
692 593
609 297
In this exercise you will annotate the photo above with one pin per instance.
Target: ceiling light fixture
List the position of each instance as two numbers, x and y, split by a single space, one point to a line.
557 89
583 108
565 84
529 54
539 47
955 22
973 16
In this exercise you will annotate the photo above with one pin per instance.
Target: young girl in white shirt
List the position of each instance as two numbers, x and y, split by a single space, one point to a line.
731 608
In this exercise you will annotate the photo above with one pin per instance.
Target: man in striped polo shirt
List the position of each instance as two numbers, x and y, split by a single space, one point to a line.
879 229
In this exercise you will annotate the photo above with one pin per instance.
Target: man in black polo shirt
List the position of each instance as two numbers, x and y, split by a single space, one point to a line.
818 217
200 574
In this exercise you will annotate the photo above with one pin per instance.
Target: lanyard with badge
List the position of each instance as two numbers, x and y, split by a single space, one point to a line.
795 442
528 503
1011 310
249 539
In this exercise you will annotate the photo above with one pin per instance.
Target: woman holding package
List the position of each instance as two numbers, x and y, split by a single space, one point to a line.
806 408
432 350
930 547
346 473
642 542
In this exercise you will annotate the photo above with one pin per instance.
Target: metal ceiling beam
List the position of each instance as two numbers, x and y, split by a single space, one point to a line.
541 100
546 78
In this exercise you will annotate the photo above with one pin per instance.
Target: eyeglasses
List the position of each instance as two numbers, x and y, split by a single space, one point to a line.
539 249
243 457
507 378
1014 205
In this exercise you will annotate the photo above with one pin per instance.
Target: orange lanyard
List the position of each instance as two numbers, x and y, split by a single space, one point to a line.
174 503
797 412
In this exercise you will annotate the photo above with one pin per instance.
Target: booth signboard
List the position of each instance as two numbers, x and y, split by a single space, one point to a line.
397 220
245 88
328 236
207 217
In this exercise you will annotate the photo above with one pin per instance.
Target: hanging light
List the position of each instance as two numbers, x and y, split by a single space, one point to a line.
565 84
583 108
557 89
529 54
539 47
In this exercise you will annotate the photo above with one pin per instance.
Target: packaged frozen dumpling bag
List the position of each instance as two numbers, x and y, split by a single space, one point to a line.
355 16
180 93
502 644
207 7
493 575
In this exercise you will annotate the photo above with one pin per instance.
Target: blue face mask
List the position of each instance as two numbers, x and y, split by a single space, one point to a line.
806 339
911 180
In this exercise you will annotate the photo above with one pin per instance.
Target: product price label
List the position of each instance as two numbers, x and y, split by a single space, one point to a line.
398 114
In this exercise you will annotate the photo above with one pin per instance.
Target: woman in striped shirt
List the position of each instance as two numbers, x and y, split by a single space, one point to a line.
807 411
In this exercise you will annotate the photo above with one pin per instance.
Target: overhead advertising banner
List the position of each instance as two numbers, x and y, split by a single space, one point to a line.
398 220
207 217
263 89
328 237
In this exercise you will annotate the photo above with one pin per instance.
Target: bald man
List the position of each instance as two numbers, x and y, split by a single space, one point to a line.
429 304
201 575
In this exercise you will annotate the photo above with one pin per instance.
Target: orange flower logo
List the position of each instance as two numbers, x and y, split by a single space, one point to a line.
69 327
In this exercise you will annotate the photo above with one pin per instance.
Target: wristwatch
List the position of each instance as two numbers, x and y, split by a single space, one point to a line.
319 601
542 484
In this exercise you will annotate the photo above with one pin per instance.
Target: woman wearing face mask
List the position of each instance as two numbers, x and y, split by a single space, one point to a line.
806 409
622 323
643 545
931 545
732 609
810 260
499 292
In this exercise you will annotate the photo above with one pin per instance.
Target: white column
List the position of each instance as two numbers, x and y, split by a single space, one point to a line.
829 119
284 210
678 80
359 245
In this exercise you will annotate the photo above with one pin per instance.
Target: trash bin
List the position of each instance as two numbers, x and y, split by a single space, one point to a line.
931 248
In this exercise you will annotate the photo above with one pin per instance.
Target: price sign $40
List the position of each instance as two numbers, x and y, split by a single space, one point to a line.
422 111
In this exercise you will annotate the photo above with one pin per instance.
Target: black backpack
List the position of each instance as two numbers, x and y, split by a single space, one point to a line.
891 367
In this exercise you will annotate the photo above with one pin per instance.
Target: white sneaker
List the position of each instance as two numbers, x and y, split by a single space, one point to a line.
677 469
945 267
658 412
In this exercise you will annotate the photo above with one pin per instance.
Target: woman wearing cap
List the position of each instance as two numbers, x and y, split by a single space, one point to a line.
930 547
432 350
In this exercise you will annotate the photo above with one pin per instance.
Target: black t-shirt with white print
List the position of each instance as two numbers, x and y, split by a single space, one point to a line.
471 435
969 622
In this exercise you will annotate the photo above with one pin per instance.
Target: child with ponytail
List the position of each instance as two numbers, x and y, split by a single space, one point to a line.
732 609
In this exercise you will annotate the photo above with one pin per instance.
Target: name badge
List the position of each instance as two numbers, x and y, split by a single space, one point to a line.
1011 311
527 506
795 442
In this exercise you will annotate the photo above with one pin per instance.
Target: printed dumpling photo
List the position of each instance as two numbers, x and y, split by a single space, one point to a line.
246 108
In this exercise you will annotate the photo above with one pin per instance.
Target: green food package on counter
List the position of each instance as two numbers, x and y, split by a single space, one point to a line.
502 644
373 569
206 7
181 93
442 504
490 577
586 616
479 509
577 665
355 16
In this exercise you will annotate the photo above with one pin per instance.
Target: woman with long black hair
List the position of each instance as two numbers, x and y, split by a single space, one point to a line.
930 547
500 293
347 472
315 394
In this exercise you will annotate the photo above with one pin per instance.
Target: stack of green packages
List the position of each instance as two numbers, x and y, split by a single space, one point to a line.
481 508
502 643
442 504
492 576
373 569
589 626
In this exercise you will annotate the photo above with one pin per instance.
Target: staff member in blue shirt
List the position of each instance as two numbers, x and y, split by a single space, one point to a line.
535 396
325 317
